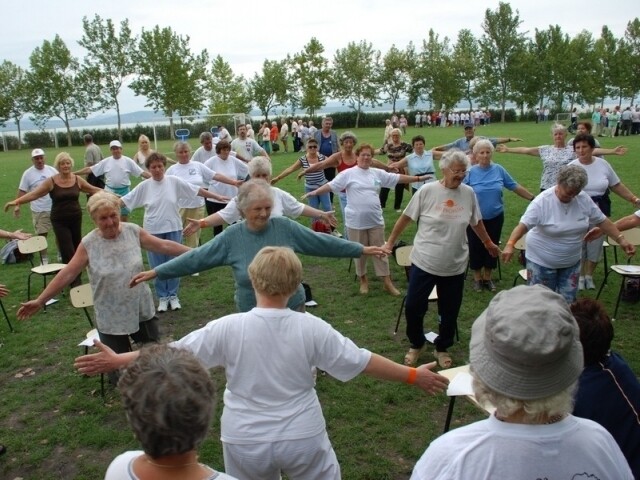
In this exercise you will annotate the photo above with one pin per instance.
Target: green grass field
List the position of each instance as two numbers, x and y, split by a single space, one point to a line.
56 426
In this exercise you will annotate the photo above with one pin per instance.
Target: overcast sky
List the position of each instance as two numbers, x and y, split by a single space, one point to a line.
246 32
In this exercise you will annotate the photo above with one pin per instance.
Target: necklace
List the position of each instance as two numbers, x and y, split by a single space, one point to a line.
554 419
188 464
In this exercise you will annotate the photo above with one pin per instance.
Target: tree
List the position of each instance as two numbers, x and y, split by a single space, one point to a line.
632 48
466 61
269 90
311 75
169 75
393 75
55 86
500 45
228 92
110 60
434 77
353 81
13 94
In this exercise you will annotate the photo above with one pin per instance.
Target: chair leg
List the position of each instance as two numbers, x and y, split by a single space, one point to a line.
604 282
6 316
615 311
86 312
399 315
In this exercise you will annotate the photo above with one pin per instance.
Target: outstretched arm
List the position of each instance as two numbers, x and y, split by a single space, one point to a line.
157 245
507 140
422 377
105 361
524 193
43 189
402 223
318 191
619 150
17 235
295 166
533 151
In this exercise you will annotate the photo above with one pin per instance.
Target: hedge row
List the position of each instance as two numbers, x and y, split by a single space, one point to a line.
102 136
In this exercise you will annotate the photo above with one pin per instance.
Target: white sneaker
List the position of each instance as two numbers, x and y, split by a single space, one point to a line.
163 305
588 283
581 283
174 303
197 274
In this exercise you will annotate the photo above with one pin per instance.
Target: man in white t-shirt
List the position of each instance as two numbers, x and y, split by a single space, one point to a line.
117 170
206 150
41 207
284 134
223 134
246 148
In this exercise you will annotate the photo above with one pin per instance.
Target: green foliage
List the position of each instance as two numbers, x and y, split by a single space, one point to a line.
270 89
500 46
228 93
169 75
110 59
394 74
311 75
466 60
353 81
55 86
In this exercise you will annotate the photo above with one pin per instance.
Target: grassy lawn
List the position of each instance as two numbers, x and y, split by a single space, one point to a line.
56 426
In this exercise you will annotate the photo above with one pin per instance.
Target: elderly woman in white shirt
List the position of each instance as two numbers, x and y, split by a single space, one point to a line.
556 223
363 212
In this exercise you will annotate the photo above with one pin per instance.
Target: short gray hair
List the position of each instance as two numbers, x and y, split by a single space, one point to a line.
101 200
454 156
482 143
573 177
348 135
179 144
557 127
251 192
205 136
168 397
260 166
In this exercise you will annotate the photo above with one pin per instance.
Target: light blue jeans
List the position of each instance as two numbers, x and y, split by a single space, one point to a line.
165 288
323 202
561 280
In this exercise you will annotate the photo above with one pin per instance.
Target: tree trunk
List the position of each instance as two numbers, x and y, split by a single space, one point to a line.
171 133
17 120
118 115
357 117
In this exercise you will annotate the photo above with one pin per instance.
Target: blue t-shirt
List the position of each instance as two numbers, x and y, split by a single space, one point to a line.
463 143
487 183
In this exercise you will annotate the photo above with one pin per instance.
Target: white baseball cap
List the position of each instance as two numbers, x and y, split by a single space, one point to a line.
37 152
115 143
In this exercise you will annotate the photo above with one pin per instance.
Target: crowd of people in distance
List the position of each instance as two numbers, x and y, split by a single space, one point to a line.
538 354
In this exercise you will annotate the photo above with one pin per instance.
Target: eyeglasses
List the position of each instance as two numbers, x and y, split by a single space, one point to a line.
457 172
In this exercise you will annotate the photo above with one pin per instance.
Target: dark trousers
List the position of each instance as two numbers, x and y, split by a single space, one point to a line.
397 202
149 332
449 291
213 207
68 232
626 127
95 181
330 174
479 257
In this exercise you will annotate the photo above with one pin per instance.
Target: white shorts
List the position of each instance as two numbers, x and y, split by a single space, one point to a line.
305 459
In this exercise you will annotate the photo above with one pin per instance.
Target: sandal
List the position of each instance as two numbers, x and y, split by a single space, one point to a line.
443 358
411 358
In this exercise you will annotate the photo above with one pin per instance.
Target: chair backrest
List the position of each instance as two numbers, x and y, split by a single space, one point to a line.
82 296
403 254
521 244
632 235
32 245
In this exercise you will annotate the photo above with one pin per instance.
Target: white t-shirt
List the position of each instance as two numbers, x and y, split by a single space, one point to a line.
284 204
223 134
121 468
574 448
247 148
363 187
284 130
556 229
201 155
117 172
31 179
440 245
267 355
232 168
600 176
161 201
194 173
266 134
